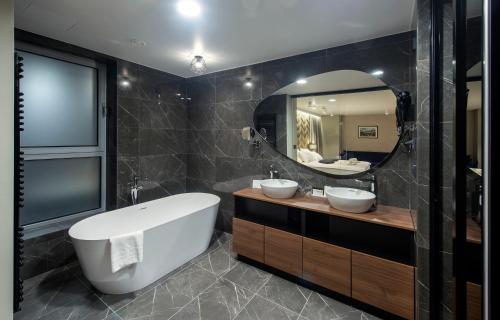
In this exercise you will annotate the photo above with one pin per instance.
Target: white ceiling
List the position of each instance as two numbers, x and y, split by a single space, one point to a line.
333 81
361 103
228 33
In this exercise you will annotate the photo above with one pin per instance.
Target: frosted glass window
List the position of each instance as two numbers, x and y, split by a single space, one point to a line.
58 187
60 100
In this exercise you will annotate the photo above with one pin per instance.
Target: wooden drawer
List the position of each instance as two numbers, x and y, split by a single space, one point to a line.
384 284
283 251
248 239
474 302
327 265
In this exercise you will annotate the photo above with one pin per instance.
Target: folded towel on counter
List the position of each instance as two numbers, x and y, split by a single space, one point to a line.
327 161
126 250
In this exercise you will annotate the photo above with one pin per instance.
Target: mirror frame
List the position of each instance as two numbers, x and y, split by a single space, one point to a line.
401 138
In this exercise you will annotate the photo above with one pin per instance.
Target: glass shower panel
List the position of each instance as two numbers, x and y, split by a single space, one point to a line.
59 187
60 103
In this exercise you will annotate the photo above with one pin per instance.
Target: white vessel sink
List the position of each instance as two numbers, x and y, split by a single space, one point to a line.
279 188
349 199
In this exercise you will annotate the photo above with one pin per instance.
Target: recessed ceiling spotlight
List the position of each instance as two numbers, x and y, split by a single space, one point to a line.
189 8
332 100
248 82
377 73
386 112
301 81
198 65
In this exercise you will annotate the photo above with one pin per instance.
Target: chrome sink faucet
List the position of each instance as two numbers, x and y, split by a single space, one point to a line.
372 179
273 173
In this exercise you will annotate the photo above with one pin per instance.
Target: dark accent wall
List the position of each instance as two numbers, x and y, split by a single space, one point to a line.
196 145
146 136
220 162
152 135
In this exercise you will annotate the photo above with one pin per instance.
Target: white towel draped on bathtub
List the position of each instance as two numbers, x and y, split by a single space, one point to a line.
126 250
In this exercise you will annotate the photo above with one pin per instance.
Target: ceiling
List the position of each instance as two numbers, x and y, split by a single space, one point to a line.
361 103
333 81
228 33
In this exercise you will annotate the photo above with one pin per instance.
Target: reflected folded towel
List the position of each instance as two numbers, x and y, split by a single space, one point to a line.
126 250
327 161
352 161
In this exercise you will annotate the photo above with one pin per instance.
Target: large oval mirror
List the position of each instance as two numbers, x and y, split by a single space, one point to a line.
340 122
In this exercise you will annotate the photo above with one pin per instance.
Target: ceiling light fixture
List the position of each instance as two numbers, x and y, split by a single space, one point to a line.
332 100
248 82
377 73
125 83
301 81
188 8
198 65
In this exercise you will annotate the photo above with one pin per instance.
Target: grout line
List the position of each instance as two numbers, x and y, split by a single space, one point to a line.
253 296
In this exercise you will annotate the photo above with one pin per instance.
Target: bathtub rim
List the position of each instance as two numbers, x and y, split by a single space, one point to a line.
71 230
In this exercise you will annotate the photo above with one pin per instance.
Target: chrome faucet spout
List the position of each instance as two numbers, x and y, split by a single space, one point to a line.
372 179
273 173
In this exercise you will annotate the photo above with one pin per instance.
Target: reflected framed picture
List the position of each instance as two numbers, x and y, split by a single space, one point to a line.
367 132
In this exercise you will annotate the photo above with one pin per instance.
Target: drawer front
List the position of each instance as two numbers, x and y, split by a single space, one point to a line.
474 302
384 284
283 251
248 239
327 265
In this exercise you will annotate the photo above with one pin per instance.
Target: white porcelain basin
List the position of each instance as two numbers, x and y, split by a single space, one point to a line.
279 188
349 199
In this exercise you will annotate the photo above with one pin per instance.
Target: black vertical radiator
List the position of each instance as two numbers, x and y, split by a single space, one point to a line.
18 184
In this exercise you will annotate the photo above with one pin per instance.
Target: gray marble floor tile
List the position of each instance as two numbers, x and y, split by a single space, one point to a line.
117 301
190 312
87 308
223 300
319 307
218 261
259 309
285 293
169 297
248 277
358 315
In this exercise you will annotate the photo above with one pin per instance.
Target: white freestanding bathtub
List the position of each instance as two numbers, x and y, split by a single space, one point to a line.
176 229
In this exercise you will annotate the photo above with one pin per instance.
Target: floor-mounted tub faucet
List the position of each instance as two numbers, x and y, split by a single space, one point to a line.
134 190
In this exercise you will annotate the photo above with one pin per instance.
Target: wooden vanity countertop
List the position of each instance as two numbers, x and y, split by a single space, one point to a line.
384 215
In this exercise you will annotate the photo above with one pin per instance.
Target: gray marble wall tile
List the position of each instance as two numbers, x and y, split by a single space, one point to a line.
235 115
201 142
201 167
46 252
221 106
152 137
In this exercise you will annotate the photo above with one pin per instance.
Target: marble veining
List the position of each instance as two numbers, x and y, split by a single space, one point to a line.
214 286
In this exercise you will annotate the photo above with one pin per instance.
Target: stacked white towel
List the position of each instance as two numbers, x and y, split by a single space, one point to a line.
126 250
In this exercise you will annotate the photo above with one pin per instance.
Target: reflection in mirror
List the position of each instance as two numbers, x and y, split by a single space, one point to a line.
474 145
474 125
340 122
